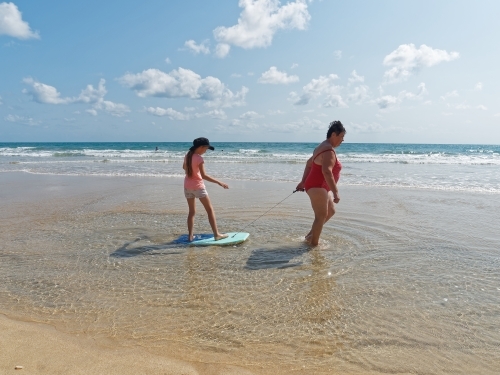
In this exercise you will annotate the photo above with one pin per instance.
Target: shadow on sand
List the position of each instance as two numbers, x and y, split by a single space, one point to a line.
128 251
276 258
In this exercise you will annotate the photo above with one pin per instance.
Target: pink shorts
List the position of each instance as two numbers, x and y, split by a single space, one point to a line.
195 193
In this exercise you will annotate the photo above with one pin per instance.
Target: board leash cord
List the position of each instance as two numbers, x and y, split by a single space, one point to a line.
265 213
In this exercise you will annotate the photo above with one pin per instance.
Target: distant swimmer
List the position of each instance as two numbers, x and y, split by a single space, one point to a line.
156 149
320 178
194 187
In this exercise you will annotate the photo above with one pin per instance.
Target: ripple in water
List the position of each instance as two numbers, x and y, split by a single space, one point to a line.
388 290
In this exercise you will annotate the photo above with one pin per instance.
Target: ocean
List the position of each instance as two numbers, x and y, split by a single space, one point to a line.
423 166
405 279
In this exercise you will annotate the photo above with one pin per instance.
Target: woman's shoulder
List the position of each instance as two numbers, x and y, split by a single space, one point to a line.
323 146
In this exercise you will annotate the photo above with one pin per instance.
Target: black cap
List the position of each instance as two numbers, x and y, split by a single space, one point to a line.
201 142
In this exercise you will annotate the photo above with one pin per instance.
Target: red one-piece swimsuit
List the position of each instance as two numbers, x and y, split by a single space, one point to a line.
315 177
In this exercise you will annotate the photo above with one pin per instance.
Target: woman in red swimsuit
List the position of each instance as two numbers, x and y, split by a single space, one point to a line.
320 178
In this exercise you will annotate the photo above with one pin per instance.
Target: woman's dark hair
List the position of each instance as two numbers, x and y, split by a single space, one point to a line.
335 126
189 165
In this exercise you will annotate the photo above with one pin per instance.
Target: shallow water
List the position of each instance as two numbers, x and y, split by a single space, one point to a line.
404 281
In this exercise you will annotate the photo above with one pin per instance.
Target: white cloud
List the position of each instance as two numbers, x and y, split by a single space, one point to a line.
496 115
275 112
337 54
356 78
91 95
197 48
294 65
171 113
304 124
421 92
366 127
389 101
479 86
46 94
450 94
243 124
221 50
183 83
407 60
447 114
274 76
359 95
260 20
250 115
215 114
1 100
114 109
322 86
464 105
235 75
12 24
176 115
250 73
21 120
168 61
334 100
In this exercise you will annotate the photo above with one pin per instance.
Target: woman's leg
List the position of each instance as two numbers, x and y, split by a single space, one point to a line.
211 217
319 202
190 219
330 212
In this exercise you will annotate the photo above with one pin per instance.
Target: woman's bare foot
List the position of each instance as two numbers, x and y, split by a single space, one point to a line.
220 236
191 238
308 235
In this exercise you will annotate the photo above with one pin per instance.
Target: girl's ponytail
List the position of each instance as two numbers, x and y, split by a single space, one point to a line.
189 160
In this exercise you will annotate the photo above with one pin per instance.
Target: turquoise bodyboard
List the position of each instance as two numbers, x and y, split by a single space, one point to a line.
233 238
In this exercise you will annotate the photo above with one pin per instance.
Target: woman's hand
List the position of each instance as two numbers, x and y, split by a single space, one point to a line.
300 186
336 198
225 186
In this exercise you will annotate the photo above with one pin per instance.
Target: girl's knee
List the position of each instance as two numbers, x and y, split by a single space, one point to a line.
191 213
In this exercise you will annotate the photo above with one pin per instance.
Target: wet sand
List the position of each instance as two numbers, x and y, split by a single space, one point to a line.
397 284
41 349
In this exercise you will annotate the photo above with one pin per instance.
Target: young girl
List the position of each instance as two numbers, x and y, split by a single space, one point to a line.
194 187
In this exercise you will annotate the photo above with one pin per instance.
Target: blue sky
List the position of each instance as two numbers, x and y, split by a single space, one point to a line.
253 70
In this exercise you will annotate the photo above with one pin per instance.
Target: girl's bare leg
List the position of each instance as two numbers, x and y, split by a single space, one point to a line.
190 219
211 218
319 202
331 212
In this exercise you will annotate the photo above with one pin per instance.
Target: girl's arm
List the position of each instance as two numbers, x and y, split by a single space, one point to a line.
327 164
307 169
209 178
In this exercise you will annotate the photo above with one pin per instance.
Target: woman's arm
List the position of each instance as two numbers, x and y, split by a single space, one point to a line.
307 169
327 164
209 178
